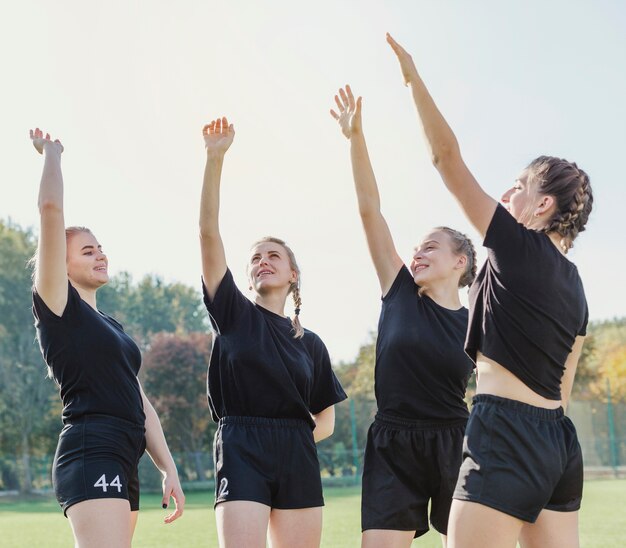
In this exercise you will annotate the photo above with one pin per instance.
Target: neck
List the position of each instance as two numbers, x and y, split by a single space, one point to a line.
556 240
274 302
87 295
445 294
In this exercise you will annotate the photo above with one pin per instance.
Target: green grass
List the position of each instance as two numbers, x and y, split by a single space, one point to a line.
39 522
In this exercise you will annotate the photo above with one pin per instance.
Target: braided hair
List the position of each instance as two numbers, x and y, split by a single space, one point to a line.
294 287
570 187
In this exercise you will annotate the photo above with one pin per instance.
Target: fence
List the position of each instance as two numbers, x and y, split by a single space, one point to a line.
601 430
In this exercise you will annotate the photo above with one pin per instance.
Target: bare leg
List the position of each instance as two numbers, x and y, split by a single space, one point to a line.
386 538
101 523
554 529
444 540
133 522
242 523
300 528
473 525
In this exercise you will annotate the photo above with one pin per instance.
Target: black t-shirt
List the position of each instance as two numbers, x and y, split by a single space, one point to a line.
421 368
258 368
527 305
94 362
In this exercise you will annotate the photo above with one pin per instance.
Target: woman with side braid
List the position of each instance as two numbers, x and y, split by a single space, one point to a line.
522 472
270 385
414 446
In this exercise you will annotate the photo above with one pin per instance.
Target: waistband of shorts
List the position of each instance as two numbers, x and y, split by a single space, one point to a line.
417 424
104 419
264 421
519 407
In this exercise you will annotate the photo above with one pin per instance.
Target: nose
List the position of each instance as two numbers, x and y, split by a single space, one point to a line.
263 260
505 197
417 254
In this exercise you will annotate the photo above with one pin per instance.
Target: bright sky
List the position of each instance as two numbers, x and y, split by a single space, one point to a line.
127 86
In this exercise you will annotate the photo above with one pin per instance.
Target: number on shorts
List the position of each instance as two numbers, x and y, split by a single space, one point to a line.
102 482
116 483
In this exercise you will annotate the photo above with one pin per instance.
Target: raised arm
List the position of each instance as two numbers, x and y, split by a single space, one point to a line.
444 148
218 136
51 270
386 260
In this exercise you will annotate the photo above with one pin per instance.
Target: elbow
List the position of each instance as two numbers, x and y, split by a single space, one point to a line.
443 154
49 206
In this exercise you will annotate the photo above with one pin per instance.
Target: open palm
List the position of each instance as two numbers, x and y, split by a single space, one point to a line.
218 135
349 117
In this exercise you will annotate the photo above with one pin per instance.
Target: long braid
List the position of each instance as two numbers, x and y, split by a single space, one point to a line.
297 303
571 187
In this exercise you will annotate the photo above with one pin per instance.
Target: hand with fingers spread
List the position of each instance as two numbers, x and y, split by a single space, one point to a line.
218 136
409 71
41 142
349 116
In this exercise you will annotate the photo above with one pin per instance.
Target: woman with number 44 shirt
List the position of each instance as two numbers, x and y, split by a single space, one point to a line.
108 421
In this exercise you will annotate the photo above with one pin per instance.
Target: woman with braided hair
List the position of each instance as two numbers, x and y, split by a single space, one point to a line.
415 443
270 384
522 474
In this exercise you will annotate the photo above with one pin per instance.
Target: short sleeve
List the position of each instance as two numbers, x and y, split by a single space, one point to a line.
583 328
227 305
326 390
45 316
504 232
399 285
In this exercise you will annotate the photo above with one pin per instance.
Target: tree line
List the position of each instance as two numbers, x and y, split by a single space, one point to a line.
169 322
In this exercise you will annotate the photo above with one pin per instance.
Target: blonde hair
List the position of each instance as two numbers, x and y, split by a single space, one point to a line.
294 287
70 232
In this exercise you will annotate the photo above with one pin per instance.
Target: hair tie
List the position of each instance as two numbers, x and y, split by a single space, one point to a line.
297 311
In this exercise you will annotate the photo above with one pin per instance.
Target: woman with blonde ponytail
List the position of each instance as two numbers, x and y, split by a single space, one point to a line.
414 445
270 384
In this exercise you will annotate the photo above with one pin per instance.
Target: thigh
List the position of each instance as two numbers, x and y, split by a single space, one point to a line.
473 525
101 523
242 523
384 538
553 529
300 528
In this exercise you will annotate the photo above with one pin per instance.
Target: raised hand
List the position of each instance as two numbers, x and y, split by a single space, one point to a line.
218 135
349 116
409 72
40 142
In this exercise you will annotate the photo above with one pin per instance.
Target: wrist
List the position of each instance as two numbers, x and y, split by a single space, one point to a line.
215 155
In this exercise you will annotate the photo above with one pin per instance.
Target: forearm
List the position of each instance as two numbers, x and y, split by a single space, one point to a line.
324 424
441 140
51 186
156 446
364 180
210 198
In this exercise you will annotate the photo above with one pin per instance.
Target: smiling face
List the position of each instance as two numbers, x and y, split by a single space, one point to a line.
435 261
270 268
87 265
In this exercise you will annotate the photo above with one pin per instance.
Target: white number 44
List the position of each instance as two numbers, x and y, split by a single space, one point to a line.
102 482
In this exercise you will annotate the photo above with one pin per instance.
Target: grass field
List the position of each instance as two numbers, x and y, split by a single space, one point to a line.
39 523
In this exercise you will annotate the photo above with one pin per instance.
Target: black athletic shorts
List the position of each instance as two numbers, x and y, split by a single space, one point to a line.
271 461
97 458
407 464
520 459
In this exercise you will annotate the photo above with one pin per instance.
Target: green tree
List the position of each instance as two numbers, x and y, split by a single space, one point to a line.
175 381
27 395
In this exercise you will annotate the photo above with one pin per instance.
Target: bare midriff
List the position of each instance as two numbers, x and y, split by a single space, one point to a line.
494 379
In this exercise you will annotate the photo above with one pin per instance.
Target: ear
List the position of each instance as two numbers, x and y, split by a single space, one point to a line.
461 262
294 277
546 205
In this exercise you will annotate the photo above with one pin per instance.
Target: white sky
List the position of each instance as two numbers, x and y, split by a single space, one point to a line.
127 86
